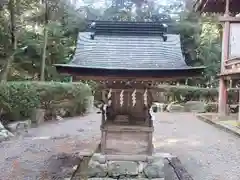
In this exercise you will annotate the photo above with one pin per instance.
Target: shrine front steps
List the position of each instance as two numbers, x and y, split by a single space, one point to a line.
101 167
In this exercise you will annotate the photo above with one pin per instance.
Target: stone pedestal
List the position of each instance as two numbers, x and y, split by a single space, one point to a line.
127 129
111 167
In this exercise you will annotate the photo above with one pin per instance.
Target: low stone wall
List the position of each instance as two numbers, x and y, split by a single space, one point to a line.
100 167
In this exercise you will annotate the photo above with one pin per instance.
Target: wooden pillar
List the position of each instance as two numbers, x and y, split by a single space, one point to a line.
103 142
150 144
239 105
150 137
222 101
227 11
103 133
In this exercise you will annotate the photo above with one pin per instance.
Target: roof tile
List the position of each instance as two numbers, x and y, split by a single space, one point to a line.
128 52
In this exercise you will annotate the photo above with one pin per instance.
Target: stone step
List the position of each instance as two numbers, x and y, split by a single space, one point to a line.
99 167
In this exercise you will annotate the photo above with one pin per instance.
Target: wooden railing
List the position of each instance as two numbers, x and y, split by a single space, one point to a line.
232 66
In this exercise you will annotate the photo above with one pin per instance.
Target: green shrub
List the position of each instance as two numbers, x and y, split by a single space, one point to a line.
191 93
211 107
19 99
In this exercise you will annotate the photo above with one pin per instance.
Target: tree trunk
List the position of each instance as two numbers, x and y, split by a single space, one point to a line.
12 10
42 77
43 63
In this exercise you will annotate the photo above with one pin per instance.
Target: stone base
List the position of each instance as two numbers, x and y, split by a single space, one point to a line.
100 167
124 178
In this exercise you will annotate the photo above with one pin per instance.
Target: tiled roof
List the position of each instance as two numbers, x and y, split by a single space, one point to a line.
128 52
128 46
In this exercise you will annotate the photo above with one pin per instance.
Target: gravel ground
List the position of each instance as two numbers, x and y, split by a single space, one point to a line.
207 152
50 151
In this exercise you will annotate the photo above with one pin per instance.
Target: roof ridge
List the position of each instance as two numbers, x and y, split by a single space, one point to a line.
128 28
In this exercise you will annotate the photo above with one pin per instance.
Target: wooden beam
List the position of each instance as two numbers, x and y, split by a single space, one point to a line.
132 128
229 19
198 5
233 74
205 4
228 63
103 142
227 12
117 78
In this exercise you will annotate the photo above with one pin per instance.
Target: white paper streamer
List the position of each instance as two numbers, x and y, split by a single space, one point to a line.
121 98
145 98
109 94
134 97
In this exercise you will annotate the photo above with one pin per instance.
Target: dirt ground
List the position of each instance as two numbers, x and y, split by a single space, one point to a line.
51 151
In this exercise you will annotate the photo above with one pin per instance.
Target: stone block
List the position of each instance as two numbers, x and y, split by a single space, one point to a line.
128 170
122 168
139 178
105 178
155 168
136 178
141 167
99 158
153 171
124 179
95 169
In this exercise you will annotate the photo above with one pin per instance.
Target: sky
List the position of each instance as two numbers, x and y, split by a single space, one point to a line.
102 3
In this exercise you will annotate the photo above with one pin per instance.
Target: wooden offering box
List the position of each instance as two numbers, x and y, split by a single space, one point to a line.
128 126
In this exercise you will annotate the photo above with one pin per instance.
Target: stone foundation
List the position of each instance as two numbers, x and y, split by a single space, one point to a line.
124 178
101 167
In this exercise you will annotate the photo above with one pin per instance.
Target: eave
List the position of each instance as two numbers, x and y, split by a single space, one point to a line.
140 74
213 6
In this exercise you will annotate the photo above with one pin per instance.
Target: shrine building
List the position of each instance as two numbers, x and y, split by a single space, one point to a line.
128 59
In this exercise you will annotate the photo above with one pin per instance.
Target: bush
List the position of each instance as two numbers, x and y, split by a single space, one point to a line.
191 93
19 99
211 107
